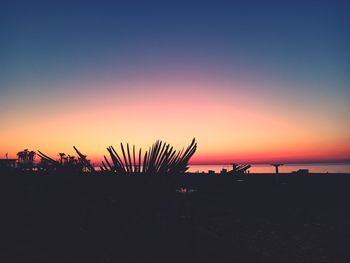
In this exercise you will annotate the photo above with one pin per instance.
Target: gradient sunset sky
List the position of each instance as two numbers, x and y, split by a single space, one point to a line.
253 81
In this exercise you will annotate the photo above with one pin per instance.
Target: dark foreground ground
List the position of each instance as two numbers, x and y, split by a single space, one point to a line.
138 219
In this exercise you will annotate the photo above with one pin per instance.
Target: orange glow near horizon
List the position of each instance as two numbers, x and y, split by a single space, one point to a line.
230 122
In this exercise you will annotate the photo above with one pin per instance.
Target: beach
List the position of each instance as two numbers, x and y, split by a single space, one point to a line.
255 218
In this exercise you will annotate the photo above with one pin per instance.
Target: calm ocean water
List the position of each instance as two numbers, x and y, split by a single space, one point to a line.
287 168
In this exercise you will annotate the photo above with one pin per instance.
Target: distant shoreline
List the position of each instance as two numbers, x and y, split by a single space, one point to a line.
285 163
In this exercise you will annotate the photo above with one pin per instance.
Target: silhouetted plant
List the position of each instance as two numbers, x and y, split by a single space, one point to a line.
26 159
85 162
65 162
62 155
161 158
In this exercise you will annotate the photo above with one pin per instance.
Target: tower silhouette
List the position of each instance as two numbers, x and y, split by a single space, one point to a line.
276 165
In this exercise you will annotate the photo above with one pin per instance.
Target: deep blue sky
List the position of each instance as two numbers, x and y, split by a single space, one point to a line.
58 39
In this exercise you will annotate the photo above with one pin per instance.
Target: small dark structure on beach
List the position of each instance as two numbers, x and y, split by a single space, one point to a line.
239 169
161 158
277 165
301 172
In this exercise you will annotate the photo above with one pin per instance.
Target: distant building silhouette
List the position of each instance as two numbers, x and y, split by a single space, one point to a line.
7 163
301 172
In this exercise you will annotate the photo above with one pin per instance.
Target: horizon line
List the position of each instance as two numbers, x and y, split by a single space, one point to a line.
347 161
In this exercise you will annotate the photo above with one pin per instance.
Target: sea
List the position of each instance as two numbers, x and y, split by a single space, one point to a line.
286 168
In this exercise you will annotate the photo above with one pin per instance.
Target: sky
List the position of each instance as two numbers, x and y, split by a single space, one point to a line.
252 81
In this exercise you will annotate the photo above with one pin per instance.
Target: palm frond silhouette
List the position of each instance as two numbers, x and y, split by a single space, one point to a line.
161 158
65 162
